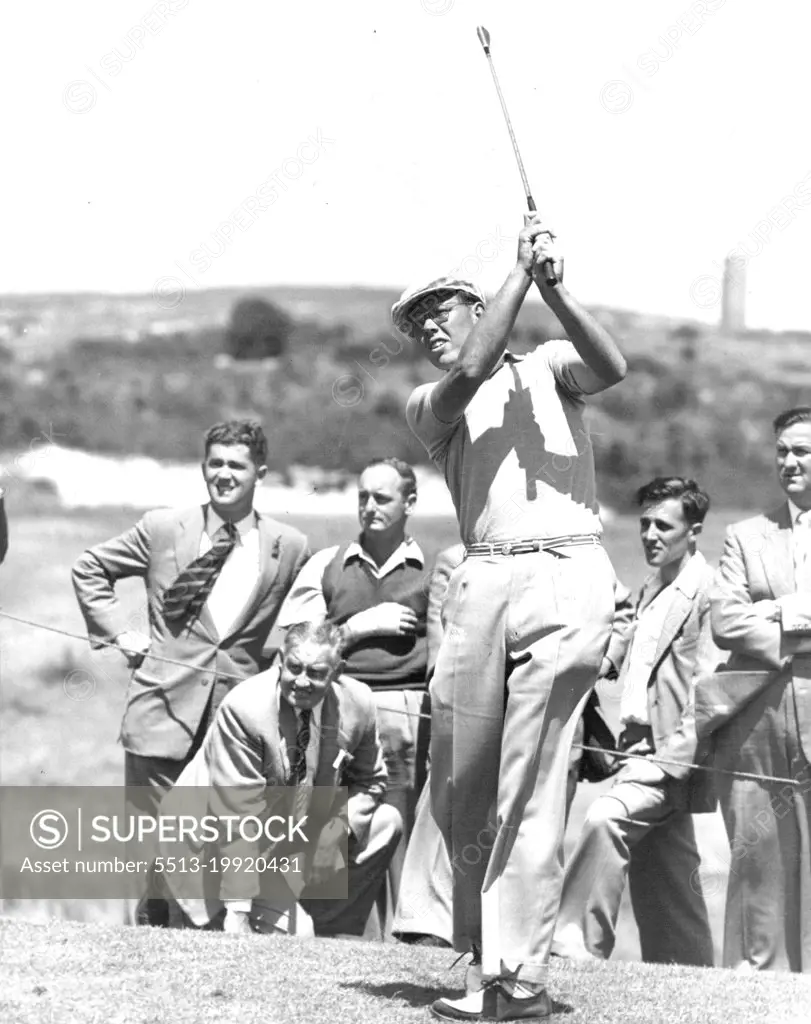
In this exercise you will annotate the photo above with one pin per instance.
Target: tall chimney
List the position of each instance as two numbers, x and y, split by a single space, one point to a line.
733 299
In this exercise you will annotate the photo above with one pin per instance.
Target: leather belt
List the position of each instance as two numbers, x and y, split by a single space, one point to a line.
527 546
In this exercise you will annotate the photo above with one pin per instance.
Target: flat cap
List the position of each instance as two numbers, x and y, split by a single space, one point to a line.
412 297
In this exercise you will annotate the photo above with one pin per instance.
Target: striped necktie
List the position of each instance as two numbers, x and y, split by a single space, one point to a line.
184 599
298 763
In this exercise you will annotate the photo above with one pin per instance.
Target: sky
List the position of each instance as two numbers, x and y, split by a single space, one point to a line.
194 144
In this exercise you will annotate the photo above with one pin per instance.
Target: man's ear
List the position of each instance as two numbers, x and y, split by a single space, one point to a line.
696 529
477 310
410 502
339 669
261 472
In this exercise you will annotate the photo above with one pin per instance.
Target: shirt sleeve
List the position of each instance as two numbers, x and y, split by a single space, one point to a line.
562 359
305 599
433 434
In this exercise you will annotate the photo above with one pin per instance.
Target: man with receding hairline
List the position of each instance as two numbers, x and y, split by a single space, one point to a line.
305 724
373 587
761 614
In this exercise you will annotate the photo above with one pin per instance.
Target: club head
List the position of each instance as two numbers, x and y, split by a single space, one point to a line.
484 37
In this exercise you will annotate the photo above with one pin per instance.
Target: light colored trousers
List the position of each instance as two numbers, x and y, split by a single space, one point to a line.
425 905
767 923
642 833
404 739
523 643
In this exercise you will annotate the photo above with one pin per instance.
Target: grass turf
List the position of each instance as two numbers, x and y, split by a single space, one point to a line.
71 973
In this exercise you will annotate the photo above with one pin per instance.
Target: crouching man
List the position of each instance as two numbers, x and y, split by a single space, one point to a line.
299 725
642 828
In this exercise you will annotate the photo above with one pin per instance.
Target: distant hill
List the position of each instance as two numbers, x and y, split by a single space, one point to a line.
33 325
145 375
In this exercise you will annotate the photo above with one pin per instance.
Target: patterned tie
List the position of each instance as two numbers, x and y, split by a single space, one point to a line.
184 599
298 763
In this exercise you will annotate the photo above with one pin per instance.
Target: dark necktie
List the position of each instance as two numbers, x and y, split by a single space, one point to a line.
298 763
184 599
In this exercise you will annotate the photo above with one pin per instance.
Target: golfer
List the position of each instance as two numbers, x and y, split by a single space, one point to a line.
528 611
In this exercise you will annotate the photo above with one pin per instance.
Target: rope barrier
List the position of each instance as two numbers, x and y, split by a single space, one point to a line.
622 755
117 647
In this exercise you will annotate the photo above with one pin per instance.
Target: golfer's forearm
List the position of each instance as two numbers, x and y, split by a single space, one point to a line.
593 343
488 339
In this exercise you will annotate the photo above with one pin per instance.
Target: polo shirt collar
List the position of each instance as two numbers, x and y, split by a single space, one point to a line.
507 358
408 551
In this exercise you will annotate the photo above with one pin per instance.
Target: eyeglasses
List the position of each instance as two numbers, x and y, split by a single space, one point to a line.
438 315
317 673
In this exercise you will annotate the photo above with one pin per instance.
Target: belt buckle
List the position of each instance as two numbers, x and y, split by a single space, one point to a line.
506 549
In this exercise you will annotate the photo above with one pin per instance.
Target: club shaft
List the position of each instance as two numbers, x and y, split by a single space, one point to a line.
484 39
522 172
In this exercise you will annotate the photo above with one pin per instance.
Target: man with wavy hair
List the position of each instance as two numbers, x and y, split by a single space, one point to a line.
642 828
215 575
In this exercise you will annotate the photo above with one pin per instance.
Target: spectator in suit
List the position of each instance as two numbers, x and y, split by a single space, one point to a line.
761 614
303 724
215 577
424 913
373 587
642 828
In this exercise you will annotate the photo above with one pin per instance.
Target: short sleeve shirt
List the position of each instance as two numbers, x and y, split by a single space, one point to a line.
519 461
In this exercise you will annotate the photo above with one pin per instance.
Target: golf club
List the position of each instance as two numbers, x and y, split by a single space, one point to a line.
484 39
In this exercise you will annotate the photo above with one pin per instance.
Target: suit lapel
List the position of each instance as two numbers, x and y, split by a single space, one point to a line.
269 543
187 538
680 607
777 554
331 739
276 766
187 548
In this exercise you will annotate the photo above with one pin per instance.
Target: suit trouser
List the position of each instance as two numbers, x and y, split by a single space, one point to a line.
148 779
367 867
404 739
767 923
152 777
644 833
523 643
425 906
278 905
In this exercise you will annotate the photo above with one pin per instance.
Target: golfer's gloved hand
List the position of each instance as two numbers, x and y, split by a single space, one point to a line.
533 239
546 249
